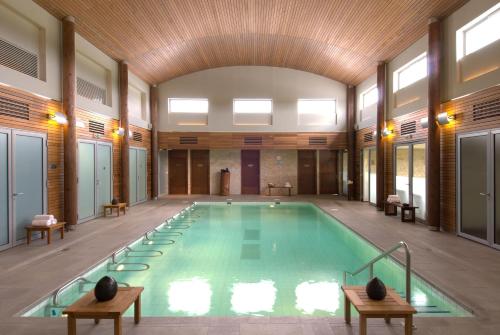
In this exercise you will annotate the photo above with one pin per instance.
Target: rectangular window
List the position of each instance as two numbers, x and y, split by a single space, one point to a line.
479 33
252 106
252 112
188 112
369 97
316 112
410 72
188 106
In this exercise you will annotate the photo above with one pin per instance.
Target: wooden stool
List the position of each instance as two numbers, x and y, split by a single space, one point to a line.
391 307
87 307
43 229
119 206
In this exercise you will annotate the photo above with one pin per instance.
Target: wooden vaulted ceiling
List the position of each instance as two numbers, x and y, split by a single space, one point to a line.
339 39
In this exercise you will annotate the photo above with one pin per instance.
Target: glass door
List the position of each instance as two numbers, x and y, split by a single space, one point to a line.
373 175
141 175
132 175
402 182
104 171
473 192
418 180
496 206
369 159
5 237
86 181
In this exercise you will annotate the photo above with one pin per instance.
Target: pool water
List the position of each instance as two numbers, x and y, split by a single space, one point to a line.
259 259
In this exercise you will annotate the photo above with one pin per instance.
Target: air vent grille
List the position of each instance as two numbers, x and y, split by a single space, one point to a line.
409 128
252 140
90 91
368 137
188 140
14 108
137 136
321 140
486 110
96 127
18 59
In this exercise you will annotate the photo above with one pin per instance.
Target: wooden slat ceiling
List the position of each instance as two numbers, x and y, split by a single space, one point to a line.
339 39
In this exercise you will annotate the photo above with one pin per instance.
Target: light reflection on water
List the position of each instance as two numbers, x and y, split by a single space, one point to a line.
192 297
252 298
317 296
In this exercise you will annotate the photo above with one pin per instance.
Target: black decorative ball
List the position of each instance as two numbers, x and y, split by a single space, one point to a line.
114 201
105 289
376 289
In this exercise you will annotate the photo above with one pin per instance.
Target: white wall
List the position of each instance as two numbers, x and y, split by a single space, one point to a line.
368 116
19 22
480 69
141 90
221 85
413 97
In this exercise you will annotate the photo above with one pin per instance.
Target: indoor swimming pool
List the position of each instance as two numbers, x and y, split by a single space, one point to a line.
250 259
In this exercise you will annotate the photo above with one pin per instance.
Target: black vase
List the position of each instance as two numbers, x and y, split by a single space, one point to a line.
376 289
114 201
105 289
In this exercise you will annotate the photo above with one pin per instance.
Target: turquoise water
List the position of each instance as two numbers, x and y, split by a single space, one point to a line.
255 259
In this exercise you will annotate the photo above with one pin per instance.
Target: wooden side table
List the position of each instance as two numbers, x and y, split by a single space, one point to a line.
45 229
407 212
284 187
119 206
393 306
87 307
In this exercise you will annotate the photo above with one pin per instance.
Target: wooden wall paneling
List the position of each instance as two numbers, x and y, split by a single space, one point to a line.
306 174
38 122
433 184
313 36
68 105
178 171
154 140
200 171
351 140
124 147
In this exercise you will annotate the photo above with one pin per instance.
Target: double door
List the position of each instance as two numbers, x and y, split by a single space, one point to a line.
95 178
369 174
410 174
478 187
137 175
23 183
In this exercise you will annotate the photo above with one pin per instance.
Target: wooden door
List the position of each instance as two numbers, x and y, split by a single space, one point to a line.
306 172
200 172
250 172
328 172
177 171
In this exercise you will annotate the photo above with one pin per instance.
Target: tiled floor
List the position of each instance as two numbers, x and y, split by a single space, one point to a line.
467 271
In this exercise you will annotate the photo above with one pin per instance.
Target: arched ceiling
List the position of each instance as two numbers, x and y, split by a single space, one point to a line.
339 39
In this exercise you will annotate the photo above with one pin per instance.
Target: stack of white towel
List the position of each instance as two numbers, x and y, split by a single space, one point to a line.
43 220
393 198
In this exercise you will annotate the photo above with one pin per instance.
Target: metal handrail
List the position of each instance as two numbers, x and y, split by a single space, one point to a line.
65 286
384 255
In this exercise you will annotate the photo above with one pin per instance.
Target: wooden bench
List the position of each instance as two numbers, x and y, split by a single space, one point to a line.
87 307
119 206
284 187
45 229
407 212
393 306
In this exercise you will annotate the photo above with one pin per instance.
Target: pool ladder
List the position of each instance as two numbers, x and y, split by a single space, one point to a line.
370 264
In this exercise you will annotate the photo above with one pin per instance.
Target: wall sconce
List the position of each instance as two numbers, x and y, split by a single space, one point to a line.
386 132
119 131
58 117
130 134
424 122
444 118
374 133
80 123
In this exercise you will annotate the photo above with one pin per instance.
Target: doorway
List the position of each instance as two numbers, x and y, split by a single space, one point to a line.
137 175
478 184
95 178
177 171
250 172
306 172
410 175
369 174
328 172
23 183
200 172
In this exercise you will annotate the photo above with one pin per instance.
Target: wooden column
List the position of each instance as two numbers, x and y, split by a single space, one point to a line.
68 100
381 87
123 73
351 140
153 93
433 182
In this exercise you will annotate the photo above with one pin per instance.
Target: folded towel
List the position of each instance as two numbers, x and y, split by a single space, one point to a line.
41 222
43 217
53 221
